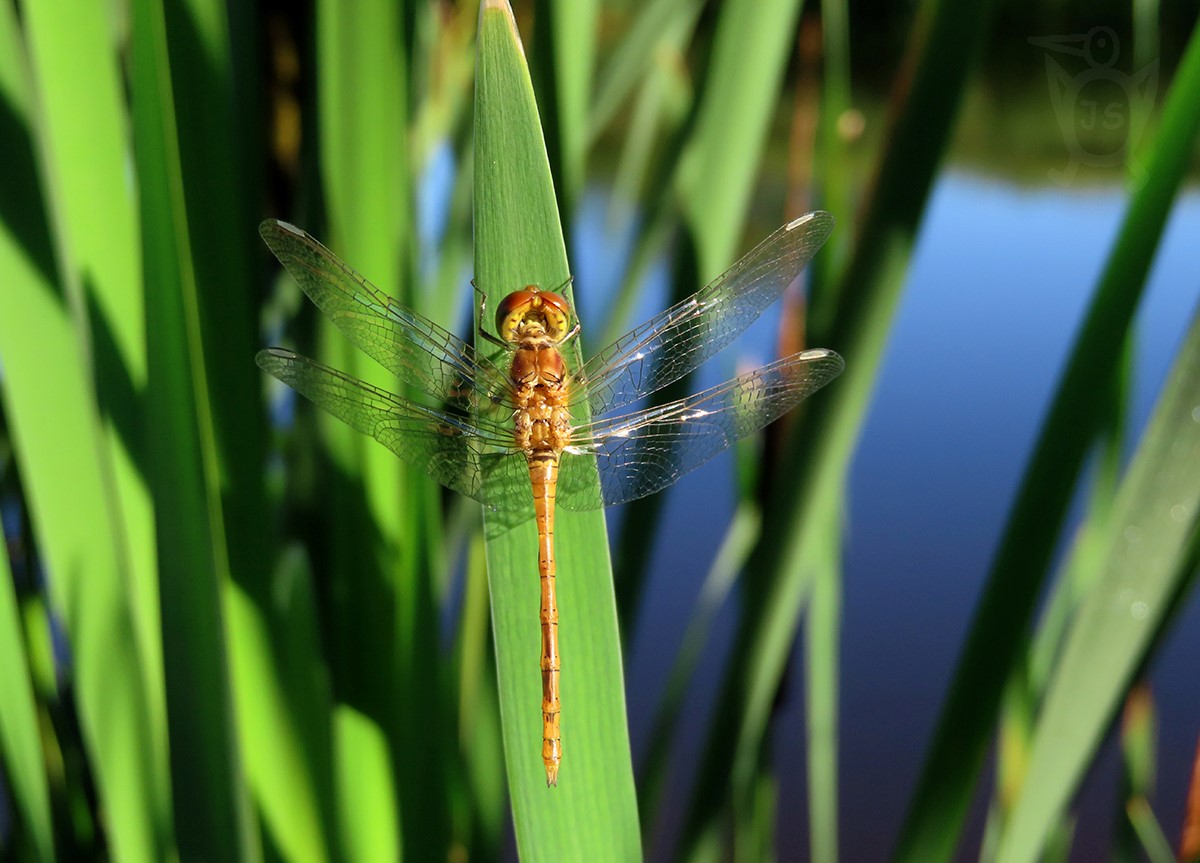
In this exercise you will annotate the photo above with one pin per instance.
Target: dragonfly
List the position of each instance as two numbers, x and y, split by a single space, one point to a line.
516 421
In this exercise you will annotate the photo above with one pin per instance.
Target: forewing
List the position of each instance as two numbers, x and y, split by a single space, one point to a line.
409 345
469 454
644 452
675 342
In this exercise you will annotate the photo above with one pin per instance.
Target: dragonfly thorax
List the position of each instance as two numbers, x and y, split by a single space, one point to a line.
538 367
533 315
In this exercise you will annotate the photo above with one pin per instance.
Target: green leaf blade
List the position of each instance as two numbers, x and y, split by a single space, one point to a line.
384 513
75 457
20 746
1151 546
592 813
214 817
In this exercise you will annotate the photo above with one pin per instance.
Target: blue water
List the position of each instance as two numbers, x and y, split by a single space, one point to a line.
997 288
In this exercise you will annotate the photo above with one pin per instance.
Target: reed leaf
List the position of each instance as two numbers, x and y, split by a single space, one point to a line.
751 46
20 746
634 56
592 813
1154 526
704 192
802 521
213 815
385 516
565 50
71 310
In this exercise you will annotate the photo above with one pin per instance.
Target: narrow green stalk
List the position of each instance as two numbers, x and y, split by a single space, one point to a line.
385 516
592 813
20 748
213 815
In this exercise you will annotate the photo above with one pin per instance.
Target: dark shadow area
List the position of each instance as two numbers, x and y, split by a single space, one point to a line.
118 398
22 199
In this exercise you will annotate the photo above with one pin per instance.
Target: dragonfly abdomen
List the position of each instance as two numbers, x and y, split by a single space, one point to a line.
543 474
542 430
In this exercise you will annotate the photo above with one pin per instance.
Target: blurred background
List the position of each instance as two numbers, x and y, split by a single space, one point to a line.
945 614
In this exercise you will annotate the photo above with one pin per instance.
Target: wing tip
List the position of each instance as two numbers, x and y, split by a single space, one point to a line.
269 358
267 226
833 360
818 216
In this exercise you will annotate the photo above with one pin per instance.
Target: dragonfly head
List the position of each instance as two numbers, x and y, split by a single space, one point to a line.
533 313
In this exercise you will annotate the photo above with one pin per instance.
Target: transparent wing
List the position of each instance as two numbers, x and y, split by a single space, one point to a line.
675 342
410 346
644 452
471 455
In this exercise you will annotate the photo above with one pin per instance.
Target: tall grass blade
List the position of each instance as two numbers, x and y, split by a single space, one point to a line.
708 192
565 54
20 746
592 813
366 793
1154 521
72 343
633 58
751 46
1139 751
1189 839
213 815
1091 541
835 182
84 147
479 710
805 509
385 517
832 185
659 108
1017 573
731 557
822 656
209 109
1154 843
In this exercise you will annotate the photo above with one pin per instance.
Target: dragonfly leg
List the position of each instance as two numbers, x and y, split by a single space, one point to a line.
566 340
484 334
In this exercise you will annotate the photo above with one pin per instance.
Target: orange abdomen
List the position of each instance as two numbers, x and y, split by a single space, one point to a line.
543 472
542 430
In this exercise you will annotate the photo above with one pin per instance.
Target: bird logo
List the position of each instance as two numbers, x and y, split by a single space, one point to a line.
1101 110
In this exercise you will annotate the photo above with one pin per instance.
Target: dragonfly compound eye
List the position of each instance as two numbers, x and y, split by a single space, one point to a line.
529 307
557 313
